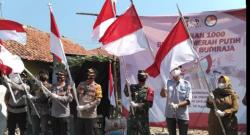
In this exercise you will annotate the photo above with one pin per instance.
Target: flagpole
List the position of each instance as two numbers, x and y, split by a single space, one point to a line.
11 91
68 71
34 107
202 71
115 81
126 72
158 68
127 84
45 90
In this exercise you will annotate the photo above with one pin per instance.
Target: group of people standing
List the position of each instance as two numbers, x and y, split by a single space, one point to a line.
44 103
223 104
52 103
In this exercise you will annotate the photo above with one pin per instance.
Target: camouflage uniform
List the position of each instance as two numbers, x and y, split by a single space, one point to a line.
138 124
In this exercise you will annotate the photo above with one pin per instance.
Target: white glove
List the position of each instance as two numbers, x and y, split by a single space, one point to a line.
174 106
82 107
40 84
134 104
220 113
25 87
53 95
211 95
29 96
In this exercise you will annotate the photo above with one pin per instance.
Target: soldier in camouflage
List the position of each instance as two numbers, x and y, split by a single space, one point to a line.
142 99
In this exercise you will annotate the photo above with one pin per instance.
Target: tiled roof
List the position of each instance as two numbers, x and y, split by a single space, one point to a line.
99 51
38 46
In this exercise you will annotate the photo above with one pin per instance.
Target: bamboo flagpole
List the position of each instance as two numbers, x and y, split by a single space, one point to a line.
45 90
10 89
63 56
202 71
33 105
126 74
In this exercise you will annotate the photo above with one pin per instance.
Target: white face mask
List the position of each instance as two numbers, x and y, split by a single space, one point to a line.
176 72
222 85
14 78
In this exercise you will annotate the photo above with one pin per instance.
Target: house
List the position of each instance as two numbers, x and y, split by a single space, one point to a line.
36 53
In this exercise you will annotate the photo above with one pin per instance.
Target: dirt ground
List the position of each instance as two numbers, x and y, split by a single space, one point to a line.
163 131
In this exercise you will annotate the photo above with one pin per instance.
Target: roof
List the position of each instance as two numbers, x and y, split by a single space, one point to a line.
38 46
99 51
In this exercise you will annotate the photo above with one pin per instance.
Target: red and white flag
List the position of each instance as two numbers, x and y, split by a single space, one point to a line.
10 30
105 18
111 87
56 46
9 63
125 35
175 51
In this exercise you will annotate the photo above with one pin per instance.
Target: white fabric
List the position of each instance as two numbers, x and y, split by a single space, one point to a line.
175 58
19 37
127 45
10 60
57 48
100 29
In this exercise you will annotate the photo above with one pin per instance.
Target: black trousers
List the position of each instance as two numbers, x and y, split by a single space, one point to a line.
86 126
16 119
60 126
182 124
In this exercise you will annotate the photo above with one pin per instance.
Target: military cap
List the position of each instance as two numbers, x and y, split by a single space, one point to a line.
91 71
61 73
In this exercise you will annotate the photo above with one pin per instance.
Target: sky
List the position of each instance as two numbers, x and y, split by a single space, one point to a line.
78 28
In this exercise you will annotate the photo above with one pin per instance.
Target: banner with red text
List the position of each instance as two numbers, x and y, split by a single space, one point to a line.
219 38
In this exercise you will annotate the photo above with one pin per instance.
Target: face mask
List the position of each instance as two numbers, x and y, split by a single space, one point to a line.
221 85
176 72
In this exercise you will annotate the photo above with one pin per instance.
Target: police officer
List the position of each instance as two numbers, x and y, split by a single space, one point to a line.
16 111
179 95
89 94
60 111
142 100
40 99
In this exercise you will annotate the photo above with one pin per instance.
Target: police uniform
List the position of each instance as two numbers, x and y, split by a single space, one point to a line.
139 122
89 95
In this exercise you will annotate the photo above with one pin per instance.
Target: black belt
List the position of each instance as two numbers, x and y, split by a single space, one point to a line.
17 107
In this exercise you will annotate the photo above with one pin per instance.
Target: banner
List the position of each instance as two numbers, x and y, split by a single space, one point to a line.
219 38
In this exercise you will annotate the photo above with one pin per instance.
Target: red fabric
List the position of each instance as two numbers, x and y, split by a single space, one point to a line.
124 25
150 95
105 13
53 26
5 69
110 81
11 25
177 35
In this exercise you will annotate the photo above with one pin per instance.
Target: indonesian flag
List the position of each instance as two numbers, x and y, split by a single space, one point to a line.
111 87
9 63
193 66
56 46
125 36
105 18
10 30
175 51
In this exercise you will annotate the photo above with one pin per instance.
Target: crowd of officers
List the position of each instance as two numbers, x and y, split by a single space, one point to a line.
38 103
52 102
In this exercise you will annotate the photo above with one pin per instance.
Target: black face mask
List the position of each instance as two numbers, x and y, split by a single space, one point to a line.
141 78
43 79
